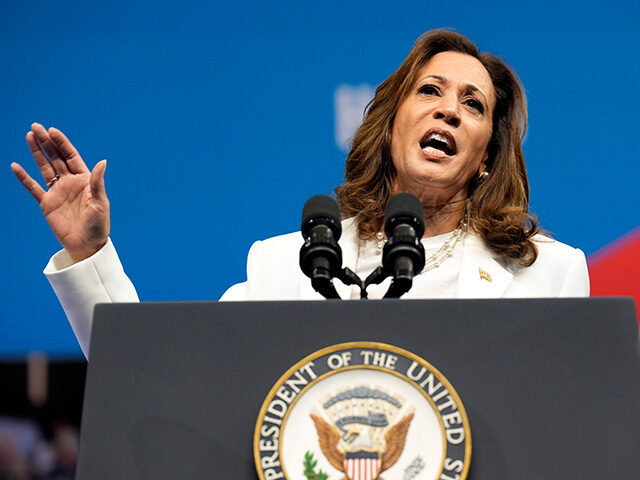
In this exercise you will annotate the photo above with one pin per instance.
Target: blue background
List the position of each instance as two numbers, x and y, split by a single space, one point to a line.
217 121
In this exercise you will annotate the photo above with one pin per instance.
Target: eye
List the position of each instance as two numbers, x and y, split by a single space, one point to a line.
475 104
428 90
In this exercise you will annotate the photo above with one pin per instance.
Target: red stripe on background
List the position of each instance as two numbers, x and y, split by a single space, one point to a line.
615 269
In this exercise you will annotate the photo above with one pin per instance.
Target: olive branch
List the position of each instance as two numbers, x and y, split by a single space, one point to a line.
310 468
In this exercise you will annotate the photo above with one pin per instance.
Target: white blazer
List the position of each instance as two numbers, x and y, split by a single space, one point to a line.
273 273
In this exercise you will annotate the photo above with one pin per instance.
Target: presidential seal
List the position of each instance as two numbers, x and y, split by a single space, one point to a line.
362 411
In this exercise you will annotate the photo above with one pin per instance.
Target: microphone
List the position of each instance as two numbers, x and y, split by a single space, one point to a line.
320 255
403 255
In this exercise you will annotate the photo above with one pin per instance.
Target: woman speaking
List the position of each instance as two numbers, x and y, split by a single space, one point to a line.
447 126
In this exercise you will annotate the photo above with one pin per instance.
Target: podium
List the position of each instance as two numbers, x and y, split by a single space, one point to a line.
551 387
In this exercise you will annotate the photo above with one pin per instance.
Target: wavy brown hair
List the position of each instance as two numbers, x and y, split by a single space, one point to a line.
499 206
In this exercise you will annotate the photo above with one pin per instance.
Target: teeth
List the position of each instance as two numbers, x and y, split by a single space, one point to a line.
440 138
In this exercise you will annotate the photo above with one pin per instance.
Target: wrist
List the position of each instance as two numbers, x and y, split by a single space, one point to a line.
77 255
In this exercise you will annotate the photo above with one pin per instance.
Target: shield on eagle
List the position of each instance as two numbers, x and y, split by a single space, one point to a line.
362 465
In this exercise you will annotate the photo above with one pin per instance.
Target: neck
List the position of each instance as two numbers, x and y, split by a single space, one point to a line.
439 219
442 215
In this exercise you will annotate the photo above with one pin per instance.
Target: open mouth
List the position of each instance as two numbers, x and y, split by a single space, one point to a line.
438 141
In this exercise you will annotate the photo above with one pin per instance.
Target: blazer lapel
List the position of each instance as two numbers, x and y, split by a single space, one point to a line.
349 244
481 275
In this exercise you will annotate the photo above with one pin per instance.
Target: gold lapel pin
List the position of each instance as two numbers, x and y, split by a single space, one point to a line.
484 275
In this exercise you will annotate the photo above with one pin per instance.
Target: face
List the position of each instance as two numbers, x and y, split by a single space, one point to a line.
442 129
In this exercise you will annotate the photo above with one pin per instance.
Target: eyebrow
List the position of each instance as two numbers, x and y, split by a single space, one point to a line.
470 86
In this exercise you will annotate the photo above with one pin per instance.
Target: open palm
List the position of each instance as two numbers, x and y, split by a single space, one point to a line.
75 205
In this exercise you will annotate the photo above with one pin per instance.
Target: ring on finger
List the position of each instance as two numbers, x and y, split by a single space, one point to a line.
53 180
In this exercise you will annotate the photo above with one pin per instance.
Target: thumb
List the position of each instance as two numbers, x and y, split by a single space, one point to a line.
98 191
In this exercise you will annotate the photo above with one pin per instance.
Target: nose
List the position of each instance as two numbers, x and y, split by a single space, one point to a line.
447 110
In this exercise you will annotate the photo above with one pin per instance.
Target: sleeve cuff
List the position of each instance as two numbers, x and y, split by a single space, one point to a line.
80 286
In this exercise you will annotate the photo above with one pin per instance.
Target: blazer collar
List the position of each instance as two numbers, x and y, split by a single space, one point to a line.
483 274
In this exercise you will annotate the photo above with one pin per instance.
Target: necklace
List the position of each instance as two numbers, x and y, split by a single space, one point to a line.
442 253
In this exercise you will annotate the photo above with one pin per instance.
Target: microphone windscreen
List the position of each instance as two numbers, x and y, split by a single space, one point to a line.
321 209
405 207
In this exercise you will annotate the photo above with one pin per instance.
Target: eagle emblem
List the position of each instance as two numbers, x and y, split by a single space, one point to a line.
363 441
362 411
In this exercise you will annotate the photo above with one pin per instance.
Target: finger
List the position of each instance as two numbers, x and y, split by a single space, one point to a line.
46 169
68 151
29 183
98 191
43 138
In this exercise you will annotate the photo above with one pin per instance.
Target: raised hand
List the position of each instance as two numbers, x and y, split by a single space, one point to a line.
75 205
